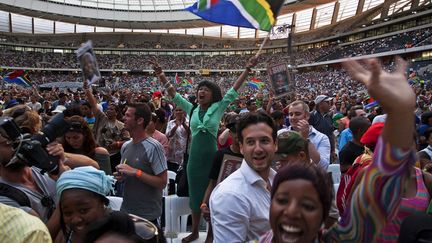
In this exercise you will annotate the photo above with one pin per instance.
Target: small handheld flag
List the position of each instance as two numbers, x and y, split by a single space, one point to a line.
256 83
186 84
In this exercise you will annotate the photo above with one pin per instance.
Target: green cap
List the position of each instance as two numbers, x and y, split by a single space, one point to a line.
336 118
290 142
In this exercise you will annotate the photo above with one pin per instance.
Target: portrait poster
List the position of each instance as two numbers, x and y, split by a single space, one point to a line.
279 78
230 164
87 60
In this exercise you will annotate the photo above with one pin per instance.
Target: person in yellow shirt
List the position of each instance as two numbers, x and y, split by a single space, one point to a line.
18 226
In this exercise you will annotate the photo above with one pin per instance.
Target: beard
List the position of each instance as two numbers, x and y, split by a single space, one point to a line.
16 166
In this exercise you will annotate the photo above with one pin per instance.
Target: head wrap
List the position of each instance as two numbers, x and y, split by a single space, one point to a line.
87 178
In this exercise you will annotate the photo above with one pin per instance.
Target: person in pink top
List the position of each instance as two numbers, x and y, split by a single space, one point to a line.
154 133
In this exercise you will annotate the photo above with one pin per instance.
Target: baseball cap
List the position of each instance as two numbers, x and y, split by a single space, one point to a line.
290 142
370 137
59 109
157 94
321 98
336 118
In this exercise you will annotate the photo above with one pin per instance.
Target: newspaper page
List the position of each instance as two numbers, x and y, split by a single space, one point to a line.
87 59
230 164
280 79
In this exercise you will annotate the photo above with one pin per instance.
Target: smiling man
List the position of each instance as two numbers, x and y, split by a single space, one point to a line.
240 204
318 143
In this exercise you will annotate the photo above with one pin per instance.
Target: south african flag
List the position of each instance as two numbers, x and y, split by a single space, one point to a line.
256 14
19 77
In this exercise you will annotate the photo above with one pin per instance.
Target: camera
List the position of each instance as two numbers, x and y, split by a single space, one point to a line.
30 148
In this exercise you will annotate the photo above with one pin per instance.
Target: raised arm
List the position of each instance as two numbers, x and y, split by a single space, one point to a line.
36 91
394 94
90 97
369 211
161 75
239 82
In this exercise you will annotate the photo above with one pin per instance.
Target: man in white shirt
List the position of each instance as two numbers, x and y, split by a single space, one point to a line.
34 104
240 204
319 143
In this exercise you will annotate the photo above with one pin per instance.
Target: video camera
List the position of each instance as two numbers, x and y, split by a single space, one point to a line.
31 148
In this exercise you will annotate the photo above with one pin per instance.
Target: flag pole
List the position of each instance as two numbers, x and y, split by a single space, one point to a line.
262 45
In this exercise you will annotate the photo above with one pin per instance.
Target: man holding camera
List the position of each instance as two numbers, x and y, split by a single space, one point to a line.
26 188
23 185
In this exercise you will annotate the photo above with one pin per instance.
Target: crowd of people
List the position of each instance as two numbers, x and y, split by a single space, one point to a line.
391 43
221 62
129 40
256 164
90 163
307 84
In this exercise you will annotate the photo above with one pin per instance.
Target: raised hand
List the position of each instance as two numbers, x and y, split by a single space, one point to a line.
155 65
303 128
391 90
252 62
56 149
394 94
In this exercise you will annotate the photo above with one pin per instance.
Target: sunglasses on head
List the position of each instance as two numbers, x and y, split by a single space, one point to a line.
76 126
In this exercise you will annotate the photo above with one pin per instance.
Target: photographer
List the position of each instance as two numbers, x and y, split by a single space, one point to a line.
29 121
24 186
28 188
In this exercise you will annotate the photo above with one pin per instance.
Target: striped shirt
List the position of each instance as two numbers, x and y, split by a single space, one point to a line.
377 198
408 206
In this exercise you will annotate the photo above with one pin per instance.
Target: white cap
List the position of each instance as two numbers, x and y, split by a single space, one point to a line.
59 109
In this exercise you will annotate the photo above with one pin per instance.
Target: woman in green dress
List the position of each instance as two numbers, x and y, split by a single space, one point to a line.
204 124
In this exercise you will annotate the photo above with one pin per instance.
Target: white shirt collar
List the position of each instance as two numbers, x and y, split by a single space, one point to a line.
251 176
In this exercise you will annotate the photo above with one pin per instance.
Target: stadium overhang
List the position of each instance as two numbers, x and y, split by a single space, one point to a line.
120 18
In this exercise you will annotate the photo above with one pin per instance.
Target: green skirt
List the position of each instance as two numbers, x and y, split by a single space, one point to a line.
201 154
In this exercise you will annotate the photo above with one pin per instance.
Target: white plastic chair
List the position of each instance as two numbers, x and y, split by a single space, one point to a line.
335 187
335 171
176 213
171 176
115 203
